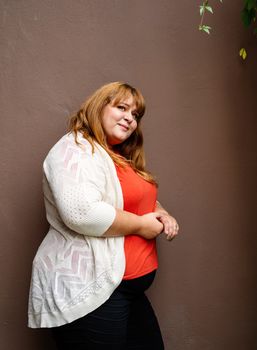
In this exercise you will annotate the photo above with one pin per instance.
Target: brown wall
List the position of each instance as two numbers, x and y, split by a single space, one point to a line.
200 138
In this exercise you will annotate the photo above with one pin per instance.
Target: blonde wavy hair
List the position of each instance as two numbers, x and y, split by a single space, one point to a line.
88 121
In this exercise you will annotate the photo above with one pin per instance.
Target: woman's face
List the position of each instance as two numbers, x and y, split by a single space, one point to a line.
119 121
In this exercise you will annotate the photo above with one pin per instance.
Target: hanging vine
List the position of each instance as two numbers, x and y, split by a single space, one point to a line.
248 16
205 7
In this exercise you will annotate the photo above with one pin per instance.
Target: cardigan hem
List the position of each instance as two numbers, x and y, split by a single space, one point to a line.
61 317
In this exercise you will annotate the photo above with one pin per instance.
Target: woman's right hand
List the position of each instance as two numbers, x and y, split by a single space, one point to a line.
151 227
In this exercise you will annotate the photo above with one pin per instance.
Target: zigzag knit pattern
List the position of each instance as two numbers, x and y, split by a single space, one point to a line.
75 269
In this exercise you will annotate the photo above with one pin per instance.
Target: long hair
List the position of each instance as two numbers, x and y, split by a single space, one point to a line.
88 121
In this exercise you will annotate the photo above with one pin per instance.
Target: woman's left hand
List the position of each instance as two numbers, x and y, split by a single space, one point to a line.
170 225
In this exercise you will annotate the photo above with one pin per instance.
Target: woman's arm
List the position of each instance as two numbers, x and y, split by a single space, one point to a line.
148 226
75 184
170 225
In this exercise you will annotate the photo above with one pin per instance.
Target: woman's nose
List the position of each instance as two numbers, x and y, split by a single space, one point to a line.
128 117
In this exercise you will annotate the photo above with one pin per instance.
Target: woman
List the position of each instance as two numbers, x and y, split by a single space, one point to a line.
99 256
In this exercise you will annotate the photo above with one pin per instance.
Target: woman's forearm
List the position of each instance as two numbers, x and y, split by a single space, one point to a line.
125 223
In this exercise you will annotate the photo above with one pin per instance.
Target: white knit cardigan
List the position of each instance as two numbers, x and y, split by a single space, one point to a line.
75 269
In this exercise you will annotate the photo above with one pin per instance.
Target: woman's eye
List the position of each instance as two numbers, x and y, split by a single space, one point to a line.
122 108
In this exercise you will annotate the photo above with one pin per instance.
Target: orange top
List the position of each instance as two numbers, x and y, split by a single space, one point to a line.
139 198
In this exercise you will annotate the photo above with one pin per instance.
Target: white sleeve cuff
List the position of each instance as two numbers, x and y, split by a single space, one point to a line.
97 221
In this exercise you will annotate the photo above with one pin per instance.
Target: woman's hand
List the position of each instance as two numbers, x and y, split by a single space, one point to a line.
170 225
151 226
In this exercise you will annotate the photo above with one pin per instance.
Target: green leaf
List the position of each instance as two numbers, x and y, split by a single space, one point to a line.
209 8
248 16
250 4
205 29
202 9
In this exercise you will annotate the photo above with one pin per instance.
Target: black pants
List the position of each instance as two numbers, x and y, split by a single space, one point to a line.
125 321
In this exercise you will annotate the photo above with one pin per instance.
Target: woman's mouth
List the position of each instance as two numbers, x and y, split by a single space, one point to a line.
124 127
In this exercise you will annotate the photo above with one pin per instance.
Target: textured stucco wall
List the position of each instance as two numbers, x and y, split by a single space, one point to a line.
200 139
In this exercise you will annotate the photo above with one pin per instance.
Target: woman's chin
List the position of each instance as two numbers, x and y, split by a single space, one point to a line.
116 141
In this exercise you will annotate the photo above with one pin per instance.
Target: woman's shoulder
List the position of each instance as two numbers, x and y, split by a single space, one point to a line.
70 144
69 147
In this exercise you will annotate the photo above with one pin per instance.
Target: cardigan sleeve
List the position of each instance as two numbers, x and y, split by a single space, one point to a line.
77 180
